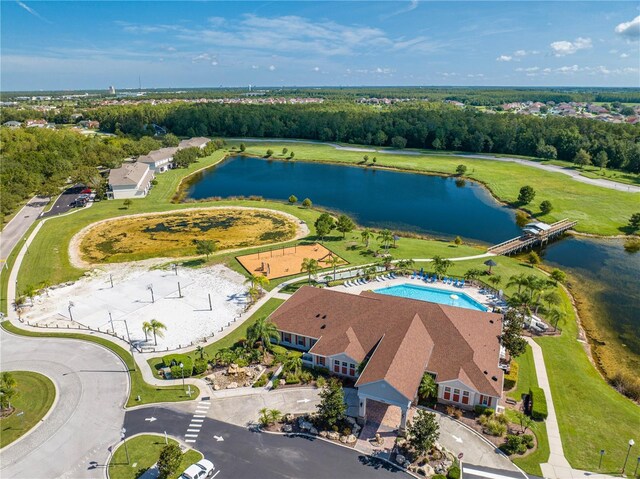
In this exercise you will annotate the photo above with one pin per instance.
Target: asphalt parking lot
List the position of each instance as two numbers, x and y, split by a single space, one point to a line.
240 453
65 201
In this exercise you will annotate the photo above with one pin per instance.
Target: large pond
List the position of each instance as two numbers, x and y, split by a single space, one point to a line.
399 201
437 206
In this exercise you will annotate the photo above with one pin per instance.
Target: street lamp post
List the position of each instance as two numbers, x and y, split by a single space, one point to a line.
601 454
150 288
635 473
631 444
124 440
71 305
182 369
111 321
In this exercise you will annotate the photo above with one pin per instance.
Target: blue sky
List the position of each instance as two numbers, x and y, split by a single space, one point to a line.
76 45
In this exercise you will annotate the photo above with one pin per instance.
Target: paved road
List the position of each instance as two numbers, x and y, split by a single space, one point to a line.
613 185
18 226
246 454
92 385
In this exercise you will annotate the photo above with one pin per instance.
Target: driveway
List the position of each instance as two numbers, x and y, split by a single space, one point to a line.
238 452
92 386
64 201
19 224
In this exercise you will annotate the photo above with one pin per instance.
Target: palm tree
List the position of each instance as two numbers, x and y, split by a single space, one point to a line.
385 237
333 262
519 280
258 280
225 356
253 294
293 363
19 303
201 351
274 415
555 315
495 280
45 286
310 266
366 235
405 264
264 331
386 262
428 387
521 302
7 388
441 265
30 292
156 328
146 328
552 298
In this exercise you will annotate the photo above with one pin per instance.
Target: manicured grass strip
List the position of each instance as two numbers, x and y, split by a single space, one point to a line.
526 375
531 462
148 394
144 452
241 332
34 397
6 270
598 210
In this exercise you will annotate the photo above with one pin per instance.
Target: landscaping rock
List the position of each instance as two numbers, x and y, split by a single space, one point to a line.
216 387
282 382
304 425
323 433
232 385
351 439
400 459
355 429
428 470
334 436
343 439
289 417
287 428
313 431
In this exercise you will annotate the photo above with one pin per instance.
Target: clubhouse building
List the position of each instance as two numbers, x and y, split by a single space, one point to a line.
386 344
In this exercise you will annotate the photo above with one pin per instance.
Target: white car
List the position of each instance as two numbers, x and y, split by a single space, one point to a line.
200 470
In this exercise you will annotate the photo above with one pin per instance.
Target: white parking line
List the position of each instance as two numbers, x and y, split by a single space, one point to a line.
190 435
215 474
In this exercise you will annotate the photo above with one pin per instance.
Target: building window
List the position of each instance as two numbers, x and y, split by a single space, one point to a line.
336 366
320 360
302 341
352 369
465 397
286 337
485 400
447 393
456 395
344 368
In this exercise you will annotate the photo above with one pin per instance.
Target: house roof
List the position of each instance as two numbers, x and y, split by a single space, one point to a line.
129 174
198 142
158 155
402 337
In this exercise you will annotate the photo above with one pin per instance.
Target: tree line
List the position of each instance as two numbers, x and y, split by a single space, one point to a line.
430 125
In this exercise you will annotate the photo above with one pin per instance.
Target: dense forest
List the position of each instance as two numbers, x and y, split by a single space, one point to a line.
430 125
40 161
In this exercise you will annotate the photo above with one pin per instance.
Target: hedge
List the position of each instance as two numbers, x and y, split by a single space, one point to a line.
538 404
173 360
511 379
453 473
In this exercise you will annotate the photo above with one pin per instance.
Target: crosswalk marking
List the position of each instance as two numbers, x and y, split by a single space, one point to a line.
197 420
199 415
193 430
195 425
189 440
190 435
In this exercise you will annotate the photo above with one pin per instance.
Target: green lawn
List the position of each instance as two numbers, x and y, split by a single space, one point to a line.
526 375
144 452
598 210
531 462
241 332
148 394
34 397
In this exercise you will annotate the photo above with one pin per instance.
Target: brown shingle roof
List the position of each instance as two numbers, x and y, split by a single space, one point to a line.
407 336
128 174
198 141
158 155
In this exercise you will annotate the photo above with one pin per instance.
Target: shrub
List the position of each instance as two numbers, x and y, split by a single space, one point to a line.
538 404
321 381
278 350
291 378
173 360
514 445
527 440
453 473
511 379
169 460
346 431
306 377
489 411
495 428
200 366
479 409
501 418
261 382
439 476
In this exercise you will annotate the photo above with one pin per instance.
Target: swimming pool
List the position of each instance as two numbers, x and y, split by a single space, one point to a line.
433 295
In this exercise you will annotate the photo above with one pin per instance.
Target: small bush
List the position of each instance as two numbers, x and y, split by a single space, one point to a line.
321 381
306 377
527 440
200 366
479 409
501 418
261 382
495 428
173 361
292 378
346 431
511 379
439 476
453 473
489 411
539 404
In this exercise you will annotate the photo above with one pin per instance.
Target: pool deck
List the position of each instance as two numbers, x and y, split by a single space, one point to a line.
474 293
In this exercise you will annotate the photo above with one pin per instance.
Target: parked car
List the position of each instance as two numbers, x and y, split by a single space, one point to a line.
200 470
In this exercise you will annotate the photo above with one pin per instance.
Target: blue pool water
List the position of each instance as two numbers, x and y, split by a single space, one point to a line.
433 295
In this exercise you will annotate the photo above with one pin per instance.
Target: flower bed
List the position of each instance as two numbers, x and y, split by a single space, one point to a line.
233 376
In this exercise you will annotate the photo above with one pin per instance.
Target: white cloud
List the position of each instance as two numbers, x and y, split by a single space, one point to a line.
624 55
214 63
413 4
568 69
203 57
529 69
477 75
272 68
520 53
316 69
504 58
32 11
216 21
629 29
564 47
255 67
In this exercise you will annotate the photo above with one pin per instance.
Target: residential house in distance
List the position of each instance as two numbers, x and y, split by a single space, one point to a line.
90 124
160 160
386 344
12 124
35 123
198 142
131 180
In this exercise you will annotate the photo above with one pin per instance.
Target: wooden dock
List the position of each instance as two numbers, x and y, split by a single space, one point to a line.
523 242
